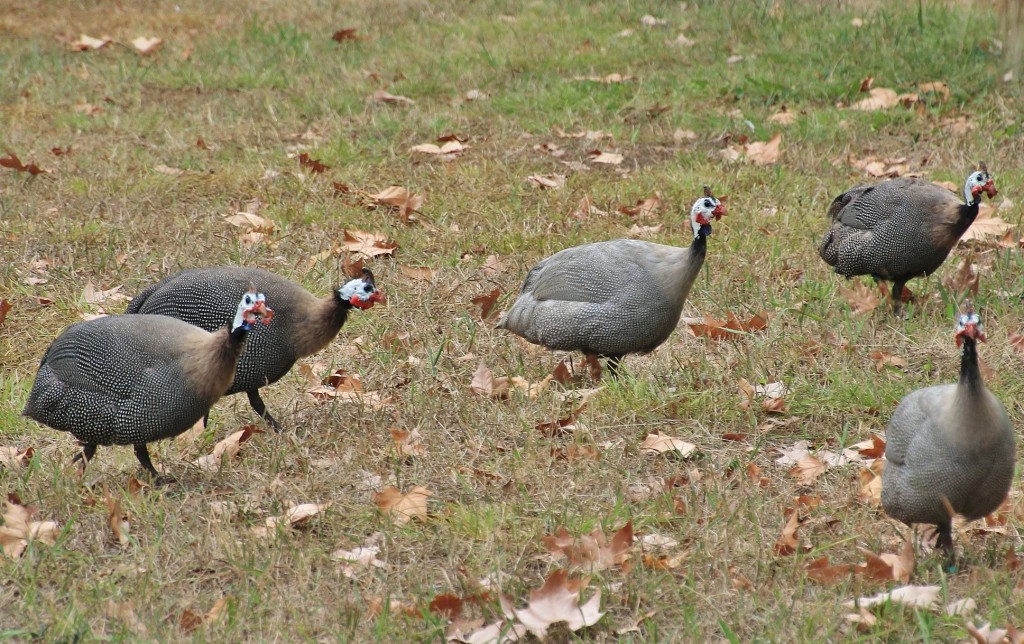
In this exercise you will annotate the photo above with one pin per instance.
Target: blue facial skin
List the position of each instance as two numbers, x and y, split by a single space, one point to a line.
705 229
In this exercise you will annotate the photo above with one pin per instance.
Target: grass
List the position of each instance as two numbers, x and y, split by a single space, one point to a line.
264 81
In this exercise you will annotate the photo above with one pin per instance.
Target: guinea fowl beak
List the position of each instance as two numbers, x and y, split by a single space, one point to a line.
264 312
719 211
971 331
379 297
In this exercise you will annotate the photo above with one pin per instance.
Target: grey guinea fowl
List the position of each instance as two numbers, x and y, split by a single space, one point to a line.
303 324
949 448
614 297
899 229
135 379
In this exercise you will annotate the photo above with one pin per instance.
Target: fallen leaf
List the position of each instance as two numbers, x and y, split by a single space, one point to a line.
871 483
146 45
658 443
380 96
362 557
914 596
449 148
311 164
297 515
407 443
190 620
19 529
93 296
861 299
807 469
5 307
550 181
880 99
605 158
14 457
760 153
937 87
824 573
486 303
783 117
788 542
88 43
125 612
118 520
644 208
731 328
341 35
486 384
403 507
421 273
610 79
400 198
884 359
226 449
558 601
12 162
367 244
594 551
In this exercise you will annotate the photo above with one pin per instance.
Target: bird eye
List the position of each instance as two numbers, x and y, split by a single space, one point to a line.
248 299
708 204
368 289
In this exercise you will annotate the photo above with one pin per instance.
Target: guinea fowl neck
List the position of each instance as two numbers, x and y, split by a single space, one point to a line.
699 246
968 213
970 374
238 334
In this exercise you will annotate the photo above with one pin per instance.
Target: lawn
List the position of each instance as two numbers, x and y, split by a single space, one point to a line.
571 122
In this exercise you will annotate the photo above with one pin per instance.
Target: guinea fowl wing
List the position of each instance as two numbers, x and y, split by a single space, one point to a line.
593 273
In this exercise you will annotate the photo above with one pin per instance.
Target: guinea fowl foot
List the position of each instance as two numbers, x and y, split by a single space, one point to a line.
944 542
260 408
142 453
88 451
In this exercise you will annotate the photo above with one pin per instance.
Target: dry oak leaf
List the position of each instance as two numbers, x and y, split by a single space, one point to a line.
401 198
486 302
341 35
807 469
883 359
295 516
761 153
368 244
605 158
558 600
824 573
871 482
147 45
644 208
788 543
449 148
965 280
93 296
5 307
985 634
861 299
191 620
547 181
730 328
880 98
118 520
357 558
407 443
658 443
250 221
937 87
913 596
888 566
421 273
486 384
12 162
403 507
985 225
19 528
380 96
14 457
226 449
593 550
88 43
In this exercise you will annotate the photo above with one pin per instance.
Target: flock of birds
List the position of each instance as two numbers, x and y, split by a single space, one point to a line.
201 334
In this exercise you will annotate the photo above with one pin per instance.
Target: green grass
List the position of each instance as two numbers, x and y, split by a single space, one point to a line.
251 80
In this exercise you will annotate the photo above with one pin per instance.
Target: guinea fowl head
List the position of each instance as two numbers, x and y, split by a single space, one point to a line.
968 325
978 182
703 210
253 306
362 292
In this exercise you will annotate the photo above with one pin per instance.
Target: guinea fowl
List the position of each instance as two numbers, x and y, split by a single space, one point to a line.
135 379
900 229
612 298
949 448
304 324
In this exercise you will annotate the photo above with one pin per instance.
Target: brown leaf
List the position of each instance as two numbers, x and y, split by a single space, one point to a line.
19 529
311 164
644 208
824 573
341 35
368 244
860 298
783 117
865 85
486 303
402 199
12 162
227 449
888 566
604 158
380 96
551 181
5 306
296 516
938 87
926 597
731 328
15 458
558 601
807 469
407 443
883 359
448 606
985 225
403 507
1016 339
448 149
594 551
88 43
118 520
880 99
147 45
754 473
788 543
761 153
485 383
871 483
658 443
422 273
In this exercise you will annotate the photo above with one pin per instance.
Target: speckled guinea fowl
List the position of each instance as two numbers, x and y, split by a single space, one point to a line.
949 448
899 229
135 379
612 298
303 323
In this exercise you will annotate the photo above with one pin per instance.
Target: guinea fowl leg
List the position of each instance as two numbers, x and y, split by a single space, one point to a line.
142 453
261 409
945 542
88 451
897 296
